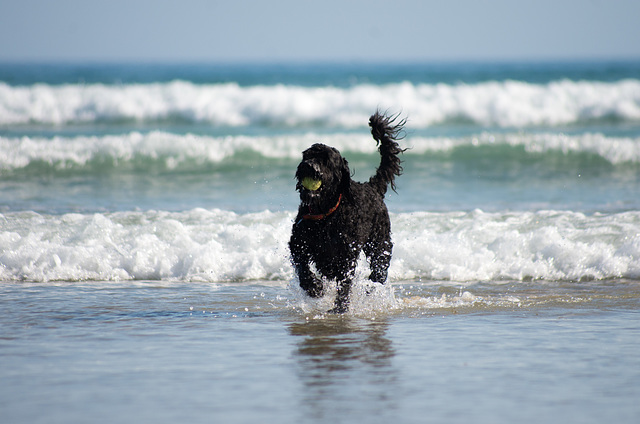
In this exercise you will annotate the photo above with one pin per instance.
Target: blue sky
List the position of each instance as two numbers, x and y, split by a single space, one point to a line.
300 30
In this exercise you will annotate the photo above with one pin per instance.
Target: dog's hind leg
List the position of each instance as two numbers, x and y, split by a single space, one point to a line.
379 255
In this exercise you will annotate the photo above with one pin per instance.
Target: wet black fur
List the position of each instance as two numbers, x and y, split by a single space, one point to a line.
360 223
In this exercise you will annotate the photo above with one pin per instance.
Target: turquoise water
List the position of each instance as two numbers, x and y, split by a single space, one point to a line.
145 212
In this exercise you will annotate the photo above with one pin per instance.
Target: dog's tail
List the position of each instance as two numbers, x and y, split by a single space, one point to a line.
387 130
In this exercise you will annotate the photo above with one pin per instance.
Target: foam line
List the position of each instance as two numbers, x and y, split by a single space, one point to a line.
503 103
217 245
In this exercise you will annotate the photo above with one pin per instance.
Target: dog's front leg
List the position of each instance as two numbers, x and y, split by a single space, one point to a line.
301 260
308 281
342 300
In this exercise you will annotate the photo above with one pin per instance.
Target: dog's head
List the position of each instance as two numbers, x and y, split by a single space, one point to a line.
321 177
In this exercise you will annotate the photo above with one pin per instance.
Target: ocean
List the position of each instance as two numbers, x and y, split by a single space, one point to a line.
145 211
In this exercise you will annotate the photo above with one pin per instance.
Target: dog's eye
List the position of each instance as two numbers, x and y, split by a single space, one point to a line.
311 184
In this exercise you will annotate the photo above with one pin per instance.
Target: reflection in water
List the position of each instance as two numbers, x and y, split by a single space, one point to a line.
345 366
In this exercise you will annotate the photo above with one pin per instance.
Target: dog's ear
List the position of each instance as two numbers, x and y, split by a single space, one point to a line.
345 177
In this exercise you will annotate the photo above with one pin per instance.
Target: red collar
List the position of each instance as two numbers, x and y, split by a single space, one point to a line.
321 216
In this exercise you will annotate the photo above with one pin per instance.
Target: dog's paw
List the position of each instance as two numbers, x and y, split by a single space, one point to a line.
341 305
313 287
372 287
338 309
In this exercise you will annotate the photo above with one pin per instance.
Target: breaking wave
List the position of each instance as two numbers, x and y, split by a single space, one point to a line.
166 151
222 246
498 103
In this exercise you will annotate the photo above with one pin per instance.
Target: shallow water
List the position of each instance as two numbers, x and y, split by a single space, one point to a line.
483 352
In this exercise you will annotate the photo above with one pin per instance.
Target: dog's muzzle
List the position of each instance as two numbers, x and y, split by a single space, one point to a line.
311 184
309 175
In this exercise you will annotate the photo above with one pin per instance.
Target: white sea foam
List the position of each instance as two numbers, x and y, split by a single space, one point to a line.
488 246
171 150
165 148
216 246
615 150
504 103
198 245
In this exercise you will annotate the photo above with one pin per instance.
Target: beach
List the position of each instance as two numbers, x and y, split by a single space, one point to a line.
145 213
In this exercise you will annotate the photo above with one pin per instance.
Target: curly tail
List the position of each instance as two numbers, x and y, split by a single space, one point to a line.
386 131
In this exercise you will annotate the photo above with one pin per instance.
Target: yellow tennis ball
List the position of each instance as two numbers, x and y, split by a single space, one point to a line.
311 184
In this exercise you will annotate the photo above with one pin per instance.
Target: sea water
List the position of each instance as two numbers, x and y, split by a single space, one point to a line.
145 212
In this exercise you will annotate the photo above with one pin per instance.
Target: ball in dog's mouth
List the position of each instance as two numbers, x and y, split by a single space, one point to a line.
311 184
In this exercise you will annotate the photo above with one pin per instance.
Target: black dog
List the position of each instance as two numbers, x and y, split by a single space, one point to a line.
338 217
